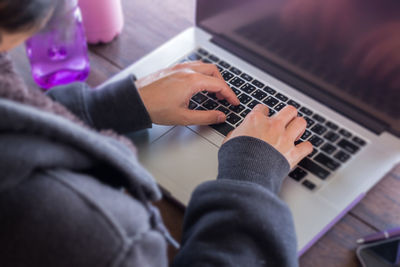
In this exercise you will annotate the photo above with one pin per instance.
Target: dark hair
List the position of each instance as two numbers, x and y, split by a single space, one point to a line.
20 15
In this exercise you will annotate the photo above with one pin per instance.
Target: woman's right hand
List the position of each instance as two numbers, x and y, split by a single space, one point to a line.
166 94
280 131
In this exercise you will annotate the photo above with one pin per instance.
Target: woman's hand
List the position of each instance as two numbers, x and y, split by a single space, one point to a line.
280 131
166 94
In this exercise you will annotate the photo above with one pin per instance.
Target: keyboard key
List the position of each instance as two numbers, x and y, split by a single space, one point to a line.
253 103
213 58
280 106
359 141
293 103
331 136
271 112
224 64
243 98
245 113
257 83
246 77
327 161
227 75
348 146
298 142
224 110
299 114
210 104
342 156
345 133
192 105
309 185
248 88
235 70
331 125
223 102
306 111
206 61
315 151
318 118
199 98
233 118
237 109
298 174
183 60
237 82
309 121
271 101
316 140
281 97
319 129
314 168
269 90
202 52
328 148
223 128
236 91
220 69
258 94
194 56
305 135
212 95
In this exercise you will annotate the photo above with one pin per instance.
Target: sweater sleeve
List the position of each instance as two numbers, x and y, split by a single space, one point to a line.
238 219
116 106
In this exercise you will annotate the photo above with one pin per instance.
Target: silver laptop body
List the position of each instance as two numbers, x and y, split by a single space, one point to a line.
180 158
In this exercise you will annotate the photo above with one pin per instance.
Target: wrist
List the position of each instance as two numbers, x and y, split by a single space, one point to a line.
250 159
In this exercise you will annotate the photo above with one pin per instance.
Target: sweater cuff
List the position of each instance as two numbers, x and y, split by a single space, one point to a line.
118 106
250 159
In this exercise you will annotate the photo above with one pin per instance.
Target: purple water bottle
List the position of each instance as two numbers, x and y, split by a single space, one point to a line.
58 53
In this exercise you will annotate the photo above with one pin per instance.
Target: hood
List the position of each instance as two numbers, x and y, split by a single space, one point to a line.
32 140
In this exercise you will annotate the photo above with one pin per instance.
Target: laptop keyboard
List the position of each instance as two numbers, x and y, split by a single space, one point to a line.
333 144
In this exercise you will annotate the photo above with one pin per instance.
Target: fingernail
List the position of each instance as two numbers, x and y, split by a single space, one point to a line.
221 118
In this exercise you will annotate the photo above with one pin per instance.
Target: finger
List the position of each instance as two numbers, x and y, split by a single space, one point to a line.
286 115
203 117
261 108
219 96
296 128
214 85
300 151
204 68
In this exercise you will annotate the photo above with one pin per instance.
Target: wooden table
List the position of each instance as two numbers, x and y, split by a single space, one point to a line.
150 23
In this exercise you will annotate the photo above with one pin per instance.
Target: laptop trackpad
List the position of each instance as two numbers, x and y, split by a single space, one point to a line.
180 160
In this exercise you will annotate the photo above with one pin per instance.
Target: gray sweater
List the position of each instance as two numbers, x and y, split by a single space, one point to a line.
62 203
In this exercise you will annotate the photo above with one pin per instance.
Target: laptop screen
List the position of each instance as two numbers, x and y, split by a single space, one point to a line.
350 49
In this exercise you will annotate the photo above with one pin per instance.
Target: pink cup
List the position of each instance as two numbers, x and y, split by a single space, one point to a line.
103 19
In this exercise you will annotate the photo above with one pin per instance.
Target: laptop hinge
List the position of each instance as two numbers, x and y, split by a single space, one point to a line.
304 86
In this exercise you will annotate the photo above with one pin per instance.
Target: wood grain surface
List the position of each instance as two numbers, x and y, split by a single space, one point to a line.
150 23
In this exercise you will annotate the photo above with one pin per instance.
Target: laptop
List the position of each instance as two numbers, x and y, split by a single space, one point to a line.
285 53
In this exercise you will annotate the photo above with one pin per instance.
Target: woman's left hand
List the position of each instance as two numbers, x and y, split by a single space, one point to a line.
166 94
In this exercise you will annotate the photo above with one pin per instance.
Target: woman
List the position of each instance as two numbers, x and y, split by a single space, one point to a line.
60 197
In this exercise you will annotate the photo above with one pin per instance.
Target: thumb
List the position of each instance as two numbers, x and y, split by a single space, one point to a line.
204 117
301 151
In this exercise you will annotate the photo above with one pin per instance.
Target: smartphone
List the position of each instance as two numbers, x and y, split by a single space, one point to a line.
384 253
